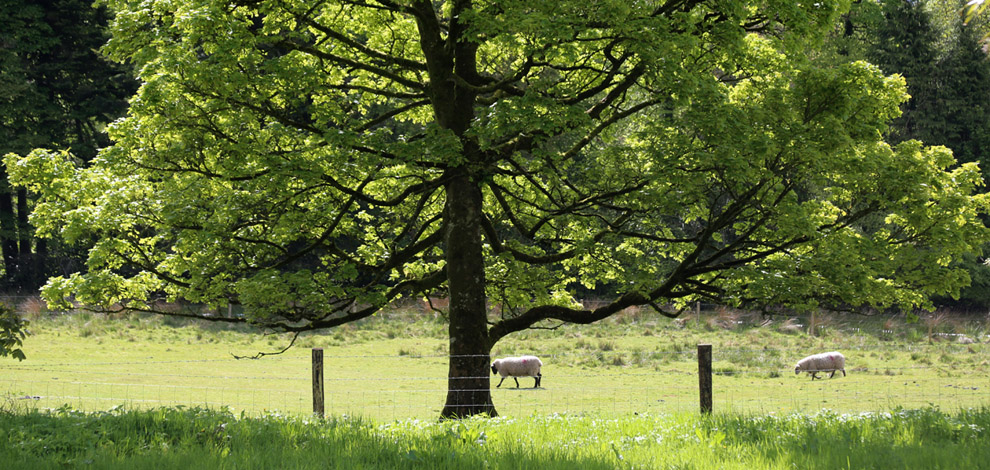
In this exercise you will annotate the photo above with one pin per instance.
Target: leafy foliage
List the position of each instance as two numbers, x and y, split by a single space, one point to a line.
941 57
905 42
946 70
56 91
13 330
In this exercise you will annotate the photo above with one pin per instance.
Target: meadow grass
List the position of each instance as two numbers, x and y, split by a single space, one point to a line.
394 366
135 391
165 438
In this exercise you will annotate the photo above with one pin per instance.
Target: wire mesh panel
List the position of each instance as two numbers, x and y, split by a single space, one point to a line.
388 387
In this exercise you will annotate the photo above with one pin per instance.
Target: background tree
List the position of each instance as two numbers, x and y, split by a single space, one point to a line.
906 43
967 106
966 73
56 91
945 65
314 161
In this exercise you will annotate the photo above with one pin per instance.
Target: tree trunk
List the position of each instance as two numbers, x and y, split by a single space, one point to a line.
468 379
8 234
449 60
25 265
40 260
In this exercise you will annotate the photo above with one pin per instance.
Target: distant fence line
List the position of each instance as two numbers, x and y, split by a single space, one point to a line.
752 372
414 386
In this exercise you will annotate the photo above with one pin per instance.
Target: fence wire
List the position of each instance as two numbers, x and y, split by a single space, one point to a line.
415 386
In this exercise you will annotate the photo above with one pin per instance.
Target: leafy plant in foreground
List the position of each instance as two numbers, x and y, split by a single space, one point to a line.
13 330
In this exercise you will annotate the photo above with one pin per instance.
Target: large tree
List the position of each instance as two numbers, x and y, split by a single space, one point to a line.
314 161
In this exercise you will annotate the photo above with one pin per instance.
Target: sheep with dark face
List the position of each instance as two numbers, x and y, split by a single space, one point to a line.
522 366
824 362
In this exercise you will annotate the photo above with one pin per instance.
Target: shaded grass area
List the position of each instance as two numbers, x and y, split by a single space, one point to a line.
200 438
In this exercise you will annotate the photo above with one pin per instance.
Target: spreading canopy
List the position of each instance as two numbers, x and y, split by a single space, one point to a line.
313 161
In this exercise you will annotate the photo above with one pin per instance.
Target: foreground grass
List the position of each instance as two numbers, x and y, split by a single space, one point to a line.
164 438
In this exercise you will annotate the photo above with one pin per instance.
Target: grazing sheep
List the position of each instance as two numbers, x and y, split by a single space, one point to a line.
523 366
824 362
963 339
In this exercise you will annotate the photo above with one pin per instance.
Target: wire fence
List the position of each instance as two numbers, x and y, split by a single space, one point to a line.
387 387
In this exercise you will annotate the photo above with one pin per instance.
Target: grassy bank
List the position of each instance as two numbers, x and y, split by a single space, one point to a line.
197 438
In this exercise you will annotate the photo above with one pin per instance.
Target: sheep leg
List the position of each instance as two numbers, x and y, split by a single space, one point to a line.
517 382
814 374
500 383
832 374
843 372
538 378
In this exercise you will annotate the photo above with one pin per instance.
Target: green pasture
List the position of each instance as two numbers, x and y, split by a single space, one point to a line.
394 366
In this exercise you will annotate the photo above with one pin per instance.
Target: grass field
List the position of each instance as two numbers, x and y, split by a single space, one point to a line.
144 392
394 367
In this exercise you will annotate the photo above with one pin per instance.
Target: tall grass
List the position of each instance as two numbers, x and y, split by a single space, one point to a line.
198 438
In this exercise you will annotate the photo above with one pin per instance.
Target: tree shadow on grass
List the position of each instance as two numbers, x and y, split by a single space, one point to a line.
166 438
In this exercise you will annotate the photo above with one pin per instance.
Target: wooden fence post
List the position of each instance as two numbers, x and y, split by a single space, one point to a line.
705 376
318 382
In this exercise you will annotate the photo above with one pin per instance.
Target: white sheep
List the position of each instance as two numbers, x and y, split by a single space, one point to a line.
523 366
824 362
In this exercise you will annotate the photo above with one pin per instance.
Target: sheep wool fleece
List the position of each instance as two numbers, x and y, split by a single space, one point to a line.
522 366
824 362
